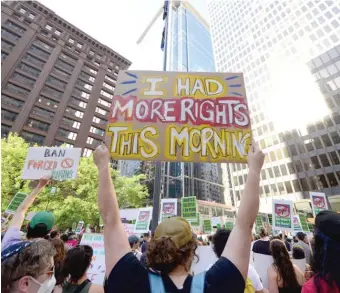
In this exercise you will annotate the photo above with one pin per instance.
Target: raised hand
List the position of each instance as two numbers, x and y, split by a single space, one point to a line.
101 156
43 181
255 157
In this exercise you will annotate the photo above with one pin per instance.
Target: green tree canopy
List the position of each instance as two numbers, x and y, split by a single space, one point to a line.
73 200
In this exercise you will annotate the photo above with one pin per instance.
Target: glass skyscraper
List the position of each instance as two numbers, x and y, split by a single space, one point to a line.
189 48
289 52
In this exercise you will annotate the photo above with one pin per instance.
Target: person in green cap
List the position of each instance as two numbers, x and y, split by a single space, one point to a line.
40 225
172 249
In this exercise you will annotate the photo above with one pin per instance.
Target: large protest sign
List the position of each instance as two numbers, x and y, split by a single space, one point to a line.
60 163
177 116
319 202
143 220
18 198
96 271
283 215
168 208
189 208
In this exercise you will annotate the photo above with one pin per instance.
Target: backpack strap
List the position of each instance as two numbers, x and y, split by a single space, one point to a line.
198 281
156 283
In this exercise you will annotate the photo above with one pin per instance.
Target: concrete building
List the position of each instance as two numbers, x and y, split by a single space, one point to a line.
57 81
290 55
189 48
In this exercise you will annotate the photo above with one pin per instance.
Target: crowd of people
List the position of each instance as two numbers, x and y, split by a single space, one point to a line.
46 261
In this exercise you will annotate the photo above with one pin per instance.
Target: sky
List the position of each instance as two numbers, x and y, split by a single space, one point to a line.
118 24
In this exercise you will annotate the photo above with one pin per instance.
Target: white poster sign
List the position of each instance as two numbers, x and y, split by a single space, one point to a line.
96 271
59 163
319 202
215 221
168 208
283 215
129 228
143 220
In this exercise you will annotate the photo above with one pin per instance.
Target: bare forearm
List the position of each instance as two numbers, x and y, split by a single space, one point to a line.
250 201
107 199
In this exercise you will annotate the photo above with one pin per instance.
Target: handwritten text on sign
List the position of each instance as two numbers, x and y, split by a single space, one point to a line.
175 116
60 163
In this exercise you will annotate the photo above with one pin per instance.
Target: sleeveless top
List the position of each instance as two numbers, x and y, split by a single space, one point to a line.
77 288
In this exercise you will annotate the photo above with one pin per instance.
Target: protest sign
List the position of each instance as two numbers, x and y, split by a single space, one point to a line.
143 220
216 221
297 224
179 116
189 208
319 202
270 219
60 163
168 208
229 225
197 221
96 271
129 229
18 198
79 227
207 226
74 226
283 215
303 222
258 223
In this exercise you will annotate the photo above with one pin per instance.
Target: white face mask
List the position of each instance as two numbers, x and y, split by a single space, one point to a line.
47 286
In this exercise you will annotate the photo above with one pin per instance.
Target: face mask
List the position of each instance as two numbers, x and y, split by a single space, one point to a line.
47 286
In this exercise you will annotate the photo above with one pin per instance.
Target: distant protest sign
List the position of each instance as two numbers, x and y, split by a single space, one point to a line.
80 227
303 222
259 223
319 202
216 222
297 224
18 198
143 220
168 208
189 208
60 163
179 116
207 228
229 225
96 271
197 222
283 215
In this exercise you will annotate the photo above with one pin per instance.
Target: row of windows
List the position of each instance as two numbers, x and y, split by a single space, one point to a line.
7 100
9 35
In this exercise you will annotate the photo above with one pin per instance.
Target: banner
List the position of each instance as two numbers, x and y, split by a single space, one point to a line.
18 198
189 208
60 163
303 222
179 116
207 226
96 271
283 215
143 220
79 227
297 224
168 208
319 202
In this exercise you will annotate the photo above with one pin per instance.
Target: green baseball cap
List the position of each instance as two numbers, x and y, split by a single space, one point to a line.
43 217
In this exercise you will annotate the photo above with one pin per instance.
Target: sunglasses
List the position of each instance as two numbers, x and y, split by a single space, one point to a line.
14 249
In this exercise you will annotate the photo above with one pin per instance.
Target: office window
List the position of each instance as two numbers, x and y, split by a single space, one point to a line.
34 60
335 137
93 71
9 35
31 16
84 85
48 27
288 186
38 51
8 115
104 103
37 124
6 100
87 76
47 102
304 184
317 143
291 168
14 26
296 185
67 134
110 87
334 158
97 131
110 79
332 179
79 45
42 113
298 166
32 138
293 150
324 160
74 112
98 120
22 79
22 10
29 69
106 94
101 111
277 171
5 130
57 32
78 102
323 181
87 152
16 89
71 123
315 162
56 82
283 170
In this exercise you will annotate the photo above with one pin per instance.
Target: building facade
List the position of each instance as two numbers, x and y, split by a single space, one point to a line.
289 54
189 48
57 81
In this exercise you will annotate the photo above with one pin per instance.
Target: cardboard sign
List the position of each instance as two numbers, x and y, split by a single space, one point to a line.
207 228
297 224
143 220
60 163
283 215
179 116
319 202
96 271
18 198
79 227
303 222
189 208
168 208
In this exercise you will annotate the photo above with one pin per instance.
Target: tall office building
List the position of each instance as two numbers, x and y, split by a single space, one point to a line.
57 81
290 56
189 48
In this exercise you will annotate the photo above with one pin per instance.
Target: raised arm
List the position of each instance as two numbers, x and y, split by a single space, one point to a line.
237 249
19 215
115 238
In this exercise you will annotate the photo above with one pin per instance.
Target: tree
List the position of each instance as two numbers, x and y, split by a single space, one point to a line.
74 200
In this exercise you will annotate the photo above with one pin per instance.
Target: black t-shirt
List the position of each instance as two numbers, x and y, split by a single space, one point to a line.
262 247
129 275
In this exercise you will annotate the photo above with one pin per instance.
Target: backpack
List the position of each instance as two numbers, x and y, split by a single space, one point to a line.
157 286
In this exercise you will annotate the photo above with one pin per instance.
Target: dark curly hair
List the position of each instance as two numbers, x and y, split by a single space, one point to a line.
76 262
164 256
219 240
31 261
283 265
